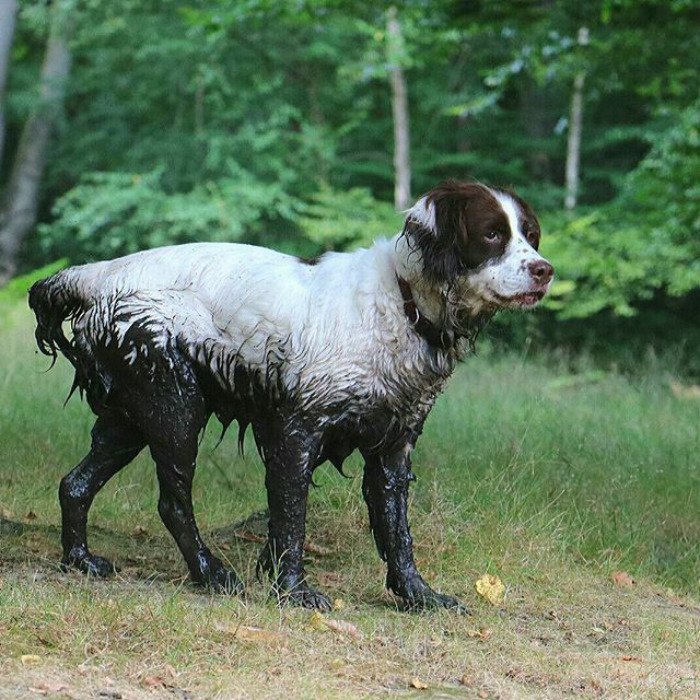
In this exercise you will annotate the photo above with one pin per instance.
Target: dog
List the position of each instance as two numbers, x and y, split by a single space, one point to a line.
320 357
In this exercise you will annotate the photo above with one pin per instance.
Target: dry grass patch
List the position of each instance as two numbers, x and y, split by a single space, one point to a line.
562 632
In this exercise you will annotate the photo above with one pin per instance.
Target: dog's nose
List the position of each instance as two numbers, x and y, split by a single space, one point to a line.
541 270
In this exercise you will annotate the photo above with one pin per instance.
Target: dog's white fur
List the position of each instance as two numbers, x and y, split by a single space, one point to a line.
324 331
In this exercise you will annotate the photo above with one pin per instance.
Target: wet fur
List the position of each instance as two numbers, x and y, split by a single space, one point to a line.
319 359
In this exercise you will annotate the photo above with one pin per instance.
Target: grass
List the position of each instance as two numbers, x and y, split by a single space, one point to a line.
543 471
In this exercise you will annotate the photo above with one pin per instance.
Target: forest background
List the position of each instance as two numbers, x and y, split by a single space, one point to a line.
563 459
306 125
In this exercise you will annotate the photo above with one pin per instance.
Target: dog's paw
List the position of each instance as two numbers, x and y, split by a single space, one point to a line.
416 594
431 600
304 596
90 564
224 581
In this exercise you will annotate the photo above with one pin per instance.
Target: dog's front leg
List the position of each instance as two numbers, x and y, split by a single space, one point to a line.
290 453
385 489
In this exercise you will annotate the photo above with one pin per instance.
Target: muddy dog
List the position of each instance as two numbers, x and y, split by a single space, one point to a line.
320 357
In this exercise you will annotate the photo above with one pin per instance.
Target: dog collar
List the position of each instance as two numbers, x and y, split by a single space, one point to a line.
425 328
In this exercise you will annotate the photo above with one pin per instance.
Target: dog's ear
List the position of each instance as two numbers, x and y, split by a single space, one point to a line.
437 228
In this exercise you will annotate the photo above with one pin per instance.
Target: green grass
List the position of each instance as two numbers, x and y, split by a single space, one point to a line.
543 471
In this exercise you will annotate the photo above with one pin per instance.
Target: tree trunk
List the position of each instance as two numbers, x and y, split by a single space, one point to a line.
573 148
8 15
21 203
399 108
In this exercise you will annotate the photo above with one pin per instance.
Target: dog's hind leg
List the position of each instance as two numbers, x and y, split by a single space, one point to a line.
175 475
290 453
385 489
115 443
173 421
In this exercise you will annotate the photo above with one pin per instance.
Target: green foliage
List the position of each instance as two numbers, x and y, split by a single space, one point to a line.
271 123
337 220
664 192
645 242
112 214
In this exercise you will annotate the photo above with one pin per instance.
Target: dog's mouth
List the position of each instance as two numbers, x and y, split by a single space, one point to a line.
525 300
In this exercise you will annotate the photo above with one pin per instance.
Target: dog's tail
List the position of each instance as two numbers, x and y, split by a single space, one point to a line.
54 301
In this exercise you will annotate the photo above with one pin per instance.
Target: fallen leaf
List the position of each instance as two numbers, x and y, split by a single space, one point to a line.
482 633
153 682
258 635
51 687
317 621
248 536
418 683
317 549
635 659
31 515
338 604
622 579
342 627
29 659
139 531
54 686
328 578
684 392
491 588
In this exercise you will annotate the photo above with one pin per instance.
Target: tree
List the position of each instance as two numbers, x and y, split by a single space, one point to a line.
8 15
19 213
573 150
399 109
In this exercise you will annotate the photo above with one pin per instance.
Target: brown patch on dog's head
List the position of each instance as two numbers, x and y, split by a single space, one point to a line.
457 226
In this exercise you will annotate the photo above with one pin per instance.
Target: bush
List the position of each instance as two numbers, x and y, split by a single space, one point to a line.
645 244
338 220
111 214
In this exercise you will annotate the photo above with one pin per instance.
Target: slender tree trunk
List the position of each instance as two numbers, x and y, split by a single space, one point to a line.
19 213
8 16
573 149
399 108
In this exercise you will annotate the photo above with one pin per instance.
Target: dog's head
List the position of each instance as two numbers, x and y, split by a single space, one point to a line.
482 242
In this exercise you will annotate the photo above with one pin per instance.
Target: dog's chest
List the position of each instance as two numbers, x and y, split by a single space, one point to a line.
387 377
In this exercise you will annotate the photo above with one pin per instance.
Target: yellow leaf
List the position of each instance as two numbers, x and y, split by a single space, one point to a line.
482 633
338 604
28 659
491 588
256 635
622 579
317 621
418 683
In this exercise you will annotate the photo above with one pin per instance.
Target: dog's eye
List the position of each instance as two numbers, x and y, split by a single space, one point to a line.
531 237
492 236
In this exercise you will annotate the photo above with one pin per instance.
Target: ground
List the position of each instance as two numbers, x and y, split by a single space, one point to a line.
547 472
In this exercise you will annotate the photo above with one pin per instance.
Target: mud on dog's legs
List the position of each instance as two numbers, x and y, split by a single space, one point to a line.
115 443
290 453
385 489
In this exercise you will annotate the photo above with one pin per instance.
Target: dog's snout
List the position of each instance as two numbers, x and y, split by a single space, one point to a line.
541 271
